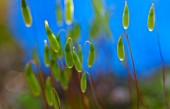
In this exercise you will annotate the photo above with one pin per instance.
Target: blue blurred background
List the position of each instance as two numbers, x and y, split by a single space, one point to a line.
144 43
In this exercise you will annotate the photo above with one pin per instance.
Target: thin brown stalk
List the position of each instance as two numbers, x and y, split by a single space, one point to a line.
134 70
93 92
163 70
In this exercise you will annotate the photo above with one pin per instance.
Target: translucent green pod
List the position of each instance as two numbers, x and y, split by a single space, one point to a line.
77 62
68 53
59 14
80 53
53 54
32 80
55 70
49 91
51 38
120 49
46 54
64 80
151 18
91 57
60 52
69 11
57 102
26 13
125 17
83 83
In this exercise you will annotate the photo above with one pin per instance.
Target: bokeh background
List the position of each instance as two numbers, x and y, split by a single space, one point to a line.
17 44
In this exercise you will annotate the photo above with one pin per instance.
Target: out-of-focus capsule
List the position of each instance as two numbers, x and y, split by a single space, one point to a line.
68 53
69 11
26 14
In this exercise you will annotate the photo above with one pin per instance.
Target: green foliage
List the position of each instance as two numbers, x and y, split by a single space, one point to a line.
120 49
49 91
26 14
51 38
151 18
125 17
83 83
32 80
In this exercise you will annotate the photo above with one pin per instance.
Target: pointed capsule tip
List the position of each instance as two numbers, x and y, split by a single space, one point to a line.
46 23
152 4
150 30
125 2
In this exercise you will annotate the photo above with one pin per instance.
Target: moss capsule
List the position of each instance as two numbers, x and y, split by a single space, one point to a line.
68 53
120 49
51 38
56 99
125 17
55 70
77 62
83 83
59 14
91 56
69 11
151 18
49 91
80 53
32 80
64 80
26 13
60 52
46 54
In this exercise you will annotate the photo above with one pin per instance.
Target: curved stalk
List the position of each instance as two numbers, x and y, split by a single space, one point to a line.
134 69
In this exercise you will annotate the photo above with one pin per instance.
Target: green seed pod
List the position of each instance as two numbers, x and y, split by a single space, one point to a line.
83 82
80 53
49 91
53 54
55 70
64 80
77 62
151 18
51 38
32 80
120 49
59 14
92 54
60 52
56 99
69 11
46 54
68 53
26 13
125 17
